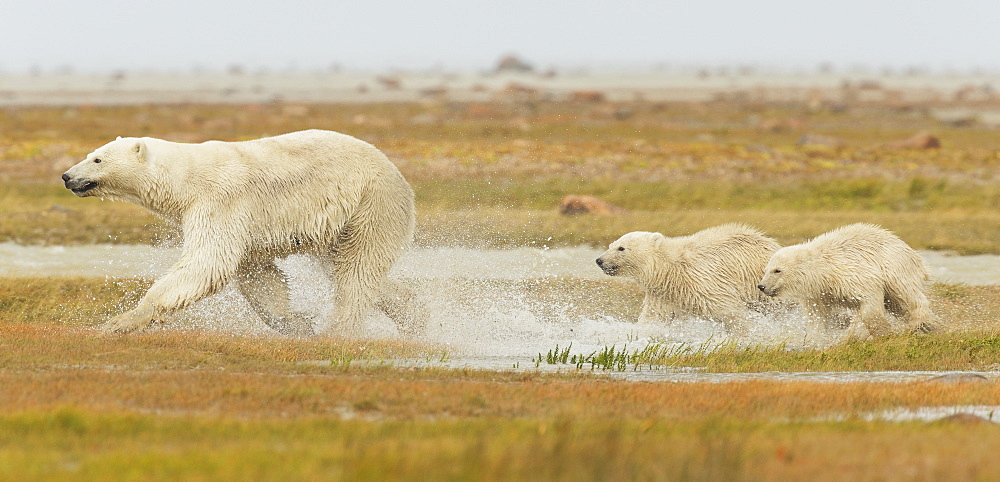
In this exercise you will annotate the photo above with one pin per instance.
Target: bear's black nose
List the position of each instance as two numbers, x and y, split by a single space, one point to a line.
65 177
600 262
760 287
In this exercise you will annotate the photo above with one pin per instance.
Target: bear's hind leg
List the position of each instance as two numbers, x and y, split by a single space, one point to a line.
400 304
912 305
266 289
356 290
873 314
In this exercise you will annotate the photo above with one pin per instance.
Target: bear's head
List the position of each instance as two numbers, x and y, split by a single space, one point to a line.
110 171
784 270
630 254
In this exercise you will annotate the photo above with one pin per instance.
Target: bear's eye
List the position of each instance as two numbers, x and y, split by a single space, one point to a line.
97 161
621 248
777 271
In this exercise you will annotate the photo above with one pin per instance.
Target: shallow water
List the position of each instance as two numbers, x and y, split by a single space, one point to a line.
470 263
486 310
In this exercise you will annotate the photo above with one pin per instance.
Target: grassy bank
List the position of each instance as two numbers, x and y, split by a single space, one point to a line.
493 174
480 213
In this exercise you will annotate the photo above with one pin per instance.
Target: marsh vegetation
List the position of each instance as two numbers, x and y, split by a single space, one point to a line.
183 402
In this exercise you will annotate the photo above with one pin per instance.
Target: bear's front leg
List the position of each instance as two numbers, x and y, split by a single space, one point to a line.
656 310
132 320
203 269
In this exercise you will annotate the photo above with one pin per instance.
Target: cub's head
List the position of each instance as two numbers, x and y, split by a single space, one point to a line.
630 253
110 170
783 271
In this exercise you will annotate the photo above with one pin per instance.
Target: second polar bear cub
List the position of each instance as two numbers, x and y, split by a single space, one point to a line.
711 274
860 269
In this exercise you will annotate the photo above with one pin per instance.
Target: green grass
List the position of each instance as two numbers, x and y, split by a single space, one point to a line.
473 213
975 351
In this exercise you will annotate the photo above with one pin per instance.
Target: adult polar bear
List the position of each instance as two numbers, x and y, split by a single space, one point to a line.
241 205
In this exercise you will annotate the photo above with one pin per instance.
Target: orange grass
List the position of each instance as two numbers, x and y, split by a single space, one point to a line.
81 444
45 367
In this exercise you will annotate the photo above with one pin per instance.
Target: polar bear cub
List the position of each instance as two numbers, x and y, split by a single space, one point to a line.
856 275
711 274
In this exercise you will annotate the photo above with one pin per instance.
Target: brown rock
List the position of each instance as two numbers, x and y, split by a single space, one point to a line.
390 83
511 63
574 204
587 96
920 140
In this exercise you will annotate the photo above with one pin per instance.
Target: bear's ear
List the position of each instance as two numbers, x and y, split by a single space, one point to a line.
118 138
139 149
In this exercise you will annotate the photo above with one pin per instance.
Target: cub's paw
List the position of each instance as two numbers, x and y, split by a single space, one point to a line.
132 320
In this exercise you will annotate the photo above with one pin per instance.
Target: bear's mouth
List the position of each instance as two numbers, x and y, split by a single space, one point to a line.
772 292
610 269
80 187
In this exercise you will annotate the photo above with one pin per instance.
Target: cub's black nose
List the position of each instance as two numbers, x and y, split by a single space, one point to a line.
65 177
760 287
600 262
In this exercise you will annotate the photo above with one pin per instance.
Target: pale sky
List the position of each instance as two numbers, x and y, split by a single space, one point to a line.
462 34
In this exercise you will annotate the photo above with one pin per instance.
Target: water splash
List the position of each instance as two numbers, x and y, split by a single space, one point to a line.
482 302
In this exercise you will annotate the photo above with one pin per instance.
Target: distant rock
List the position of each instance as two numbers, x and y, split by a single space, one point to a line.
434 92
390 83
587 96
810 139
511 63
920 140
574 204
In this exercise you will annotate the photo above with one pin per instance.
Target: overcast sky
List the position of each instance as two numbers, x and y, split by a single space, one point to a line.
463 34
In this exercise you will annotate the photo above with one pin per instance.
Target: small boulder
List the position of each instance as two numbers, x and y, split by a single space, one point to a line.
574 204
920 140
587 96
511 63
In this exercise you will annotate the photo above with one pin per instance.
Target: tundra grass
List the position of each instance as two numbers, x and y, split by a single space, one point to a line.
492 174
70 443
474 213
171 403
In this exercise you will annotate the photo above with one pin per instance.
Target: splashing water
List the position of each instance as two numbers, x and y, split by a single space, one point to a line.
482 302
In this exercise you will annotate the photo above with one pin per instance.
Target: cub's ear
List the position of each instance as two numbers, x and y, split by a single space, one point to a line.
139 149
118 138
